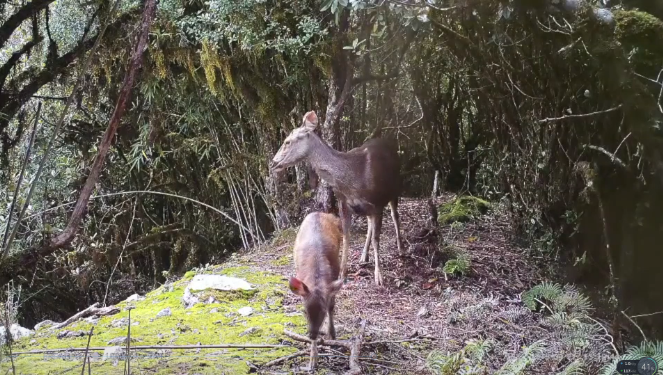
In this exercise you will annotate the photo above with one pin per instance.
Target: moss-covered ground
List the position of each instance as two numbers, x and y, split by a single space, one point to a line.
206 324
462 209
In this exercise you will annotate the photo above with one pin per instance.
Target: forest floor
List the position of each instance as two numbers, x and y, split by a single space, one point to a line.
420 310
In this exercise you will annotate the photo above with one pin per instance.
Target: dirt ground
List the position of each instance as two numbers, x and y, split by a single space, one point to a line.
419 310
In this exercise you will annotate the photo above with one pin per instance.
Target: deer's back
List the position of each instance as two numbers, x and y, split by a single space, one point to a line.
381 170
317 247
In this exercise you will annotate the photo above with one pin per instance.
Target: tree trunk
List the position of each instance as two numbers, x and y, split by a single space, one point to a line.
339 87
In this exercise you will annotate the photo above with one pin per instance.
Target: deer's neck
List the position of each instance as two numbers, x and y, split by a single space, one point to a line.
333 166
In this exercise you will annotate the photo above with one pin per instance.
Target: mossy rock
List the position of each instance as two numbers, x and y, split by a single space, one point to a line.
641 35
207 324
462 209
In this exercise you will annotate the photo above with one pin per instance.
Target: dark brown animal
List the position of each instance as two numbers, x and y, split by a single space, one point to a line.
317 268
364 179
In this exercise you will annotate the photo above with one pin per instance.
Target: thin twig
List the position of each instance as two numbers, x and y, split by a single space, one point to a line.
355 366
636 325
86 358
582 115
160 347
157 193
288 357
612 156
26 160
612 341
128 361
645 315
124 247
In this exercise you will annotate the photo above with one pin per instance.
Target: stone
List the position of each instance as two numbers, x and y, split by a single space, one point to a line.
68 334
134 297
245 311
218 282
114 353
249 331
117 323
16 331
118 340
164 312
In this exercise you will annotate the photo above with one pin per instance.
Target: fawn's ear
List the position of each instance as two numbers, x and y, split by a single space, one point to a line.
310 120
298 287
335 287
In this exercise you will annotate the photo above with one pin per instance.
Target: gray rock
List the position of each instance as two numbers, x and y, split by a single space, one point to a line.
68 334
16 331
164 312
205 282
249 331
114 353
245 311
122 322
134 298
118 340
214 311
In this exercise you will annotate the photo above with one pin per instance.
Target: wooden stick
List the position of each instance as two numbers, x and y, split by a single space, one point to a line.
355 366
158 347
86 350
77 316
298 337
283 359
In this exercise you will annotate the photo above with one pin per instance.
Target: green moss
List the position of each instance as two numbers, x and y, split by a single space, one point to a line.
283 261
189 275
203 323
462 209
641 35
285 237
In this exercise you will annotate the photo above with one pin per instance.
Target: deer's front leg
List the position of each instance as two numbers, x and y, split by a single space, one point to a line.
346 220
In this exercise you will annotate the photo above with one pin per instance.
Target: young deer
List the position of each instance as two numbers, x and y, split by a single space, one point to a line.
316 262
365 179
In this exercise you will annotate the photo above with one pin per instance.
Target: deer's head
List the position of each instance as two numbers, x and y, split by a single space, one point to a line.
316 302
297 145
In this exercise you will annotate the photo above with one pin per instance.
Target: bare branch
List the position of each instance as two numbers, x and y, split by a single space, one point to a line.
15 20
612 156
582 115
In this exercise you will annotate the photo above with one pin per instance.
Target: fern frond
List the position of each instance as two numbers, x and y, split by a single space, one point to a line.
574 368
528 356
545 290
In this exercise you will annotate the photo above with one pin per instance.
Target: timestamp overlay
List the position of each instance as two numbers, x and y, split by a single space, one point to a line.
643 366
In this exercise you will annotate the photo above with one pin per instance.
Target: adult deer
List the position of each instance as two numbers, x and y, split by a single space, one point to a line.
316 262
364 179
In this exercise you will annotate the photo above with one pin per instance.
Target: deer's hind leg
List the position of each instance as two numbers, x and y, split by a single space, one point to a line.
397 225
377 228
369 234
346 221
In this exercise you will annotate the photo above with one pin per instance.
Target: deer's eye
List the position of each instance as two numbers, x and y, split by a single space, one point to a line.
287 143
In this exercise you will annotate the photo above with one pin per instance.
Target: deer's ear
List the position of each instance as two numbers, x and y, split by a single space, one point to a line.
310 120
335 287
298 287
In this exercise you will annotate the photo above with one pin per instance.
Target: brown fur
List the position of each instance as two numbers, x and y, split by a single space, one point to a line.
365 179
317 268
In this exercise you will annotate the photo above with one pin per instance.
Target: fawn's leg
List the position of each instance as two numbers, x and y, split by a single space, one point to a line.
397 224
330 314
369 234
377 228
346 220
